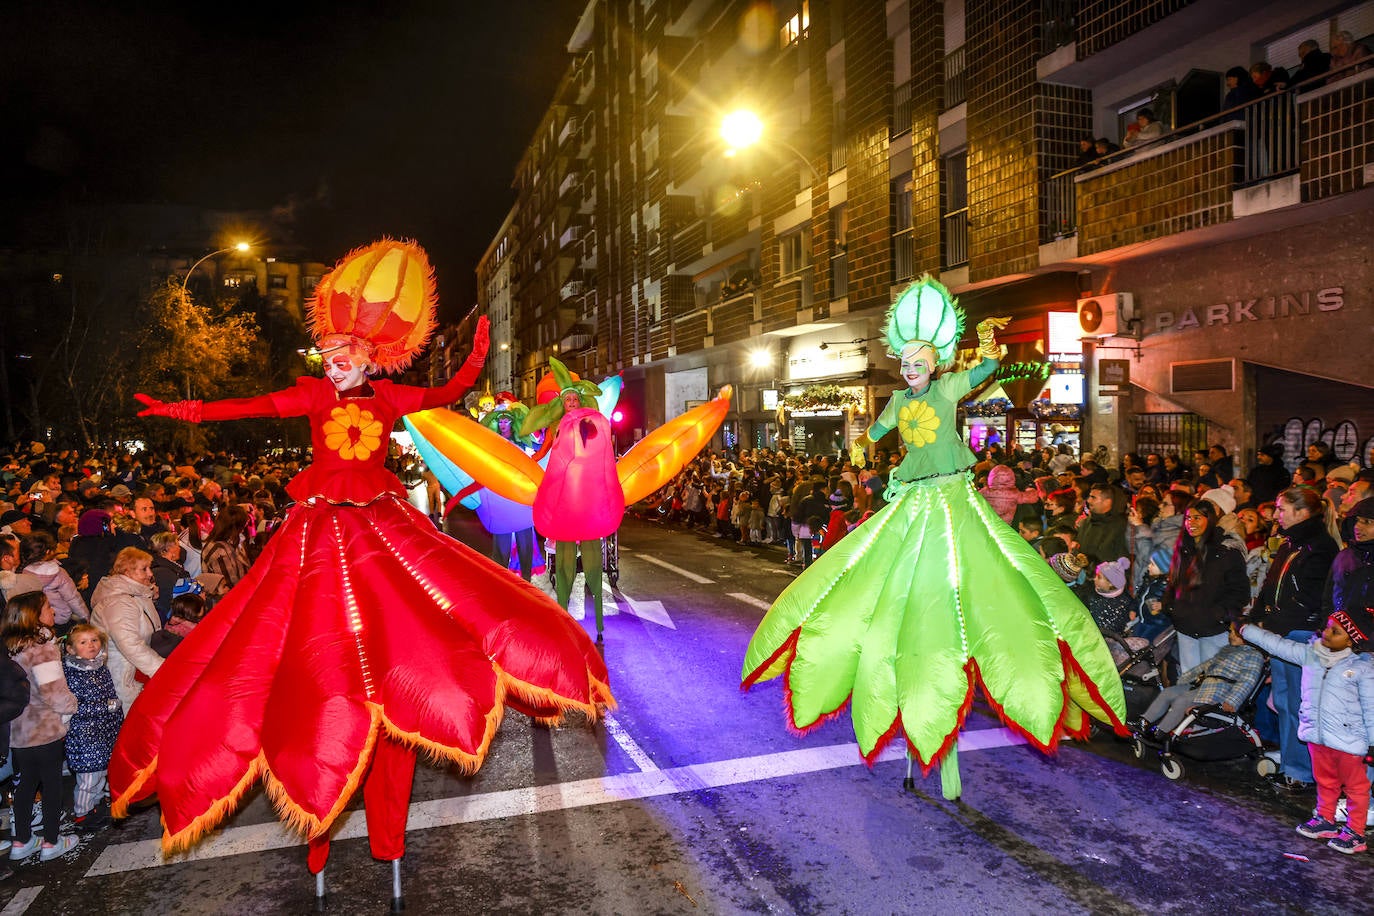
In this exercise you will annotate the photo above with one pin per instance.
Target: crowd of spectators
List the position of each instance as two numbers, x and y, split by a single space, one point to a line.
107 560
1158 542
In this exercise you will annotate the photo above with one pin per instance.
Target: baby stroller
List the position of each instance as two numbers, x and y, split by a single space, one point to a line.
1141 664
1209 734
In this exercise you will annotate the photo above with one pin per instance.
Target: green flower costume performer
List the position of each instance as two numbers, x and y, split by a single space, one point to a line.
934 593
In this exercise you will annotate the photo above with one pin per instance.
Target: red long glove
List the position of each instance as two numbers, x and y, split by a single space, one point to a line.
465 377
196 411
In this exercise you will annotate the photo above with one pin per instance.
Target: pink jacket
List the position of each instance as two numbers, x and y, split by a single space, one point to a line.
1002 495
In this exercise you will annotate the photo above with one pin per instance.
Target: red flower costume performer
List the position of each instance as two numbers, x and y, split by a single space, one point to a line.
362 633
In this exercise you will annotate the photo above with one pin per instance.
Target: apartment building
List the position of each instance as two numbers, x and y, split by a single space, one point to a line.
1209 286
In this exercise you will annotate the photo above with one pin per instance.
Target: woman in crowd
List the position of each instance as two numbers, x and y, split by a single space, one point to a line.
226 551
39 553
1140 519
1208 588
123 608
1290 603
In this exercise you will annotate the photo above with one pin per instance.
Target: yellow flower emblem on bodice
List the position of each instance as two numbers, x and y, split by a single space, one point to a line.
353 432
917 422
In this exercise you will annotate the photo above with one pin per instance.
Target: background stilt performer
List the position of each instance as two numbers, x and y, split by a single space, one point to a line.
361 634
935 592
581 496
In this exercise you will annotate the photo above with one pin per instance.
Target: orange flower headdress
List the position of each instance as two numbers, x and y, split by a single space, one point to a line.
383 297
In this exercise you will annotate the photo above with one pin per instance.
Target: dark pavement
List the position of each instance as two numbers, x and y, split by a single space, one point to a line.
694 798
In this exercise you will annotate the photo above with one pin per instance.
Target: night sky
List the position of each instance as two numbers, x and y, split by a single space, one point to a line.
370 118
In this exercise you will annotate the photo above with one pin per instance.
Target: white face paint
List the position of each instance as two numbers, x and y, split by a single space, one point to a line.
918 366
345 367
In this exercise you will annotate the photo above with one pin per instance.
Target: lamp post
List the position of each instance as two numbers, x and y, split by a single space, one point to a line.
237 246
742 129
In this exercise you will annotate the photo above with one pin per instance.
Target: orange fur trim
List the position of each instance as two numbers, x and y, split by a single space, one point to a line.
442 753
120 801
600 693
221 808
297 818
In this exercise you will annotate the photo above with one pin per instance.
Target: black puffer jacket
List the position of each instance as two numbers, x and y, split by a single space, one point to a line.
1207 591
14 697
1351 583
1291 597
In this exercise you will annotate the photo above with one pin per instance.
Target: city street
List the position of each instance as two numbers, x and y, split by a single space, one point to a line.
694 798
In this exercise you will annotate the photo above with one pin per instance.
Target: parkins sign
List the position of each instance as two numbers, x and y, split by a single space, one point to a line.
1260 308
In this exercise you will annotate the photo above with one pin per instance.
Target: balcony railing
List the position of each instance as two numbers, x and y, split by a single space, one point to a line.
901 109
954 239
1186 179
956 86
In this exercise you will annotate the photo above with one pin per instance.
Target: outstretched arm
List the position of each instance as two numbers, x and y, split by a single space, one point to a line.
263 405
465 377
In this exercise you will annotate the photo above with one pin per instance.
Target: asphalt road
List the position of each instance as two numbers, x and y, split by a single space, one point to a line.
694 798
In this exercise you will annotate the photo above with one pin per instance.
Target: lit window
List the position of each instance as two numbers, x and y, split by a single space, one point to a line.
795 28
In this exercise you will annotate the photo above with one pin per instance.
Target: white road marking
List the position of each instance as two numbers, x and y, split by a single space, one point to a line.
21 901
628 745
651 611
749 600
536 800
686 574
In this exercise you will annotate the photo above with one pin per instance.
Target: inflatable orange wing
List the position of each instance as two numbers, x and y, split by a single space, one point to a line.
489 458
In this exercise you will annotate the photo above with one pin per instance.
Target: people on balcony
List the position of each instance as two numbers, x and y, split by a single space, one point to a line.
1087 151
1105 147
1315 62
1268 79
1239 88
1147 128
1345 52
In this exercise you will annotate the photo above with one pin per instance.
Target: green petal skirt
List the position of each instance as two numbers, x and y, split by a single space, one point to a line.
930 595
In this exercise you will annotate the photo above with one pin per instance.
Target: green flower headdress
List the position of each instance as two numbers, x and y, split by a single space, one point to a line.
550 413
925 312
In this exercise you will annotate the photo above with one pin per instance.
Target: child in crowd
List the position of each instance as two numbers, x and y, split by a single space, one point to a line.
1112 609
1032 529
1150 619
36 735
92 731
1336 718
1226 679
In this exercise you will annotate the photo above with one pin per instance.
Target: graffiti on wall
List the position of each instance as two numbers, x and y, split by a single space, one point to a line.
1343 437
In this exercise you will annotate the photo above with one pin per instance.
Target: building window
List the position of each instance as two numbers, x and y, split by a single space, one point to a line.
796 27
839 252
309 282
954 209
792 253
276 281
903 254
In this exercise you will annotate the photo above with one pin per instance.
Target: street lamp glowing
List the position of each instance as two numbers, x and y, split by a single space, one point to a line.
741 128
760 359
240 247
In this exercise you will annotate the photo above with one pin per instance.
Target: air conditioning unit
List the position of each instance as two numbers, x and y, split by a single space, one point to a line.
1112 315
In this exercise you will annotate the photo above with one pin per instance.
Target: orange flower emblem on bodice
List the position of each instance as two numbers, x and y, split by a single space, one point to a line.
353 432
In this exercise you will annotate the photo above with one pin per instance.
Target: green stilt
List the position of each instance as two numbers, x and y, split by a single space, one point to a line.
950 786
591 571
564 571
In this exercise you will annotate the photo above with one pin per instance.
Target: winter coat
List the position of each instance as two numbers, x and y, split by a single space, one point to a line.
1337 709
1351 583
18 583
124 609
66 601
1102 536
1002 494
49 699
1267 481
166 573
14 696
1204 601
1291 597
1111 612
92 731
96 552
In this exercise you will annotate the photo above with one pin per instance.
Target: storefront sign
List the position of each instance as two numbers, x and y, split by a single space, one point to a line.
1262 308
770 398
1114 373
